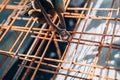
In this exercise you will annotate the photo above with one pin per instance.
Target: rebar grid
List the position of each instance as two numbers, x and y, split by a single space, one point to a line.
45 35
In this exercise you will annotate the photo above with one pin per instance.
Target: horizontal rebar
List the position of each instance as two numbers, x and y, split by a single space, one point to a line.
45 36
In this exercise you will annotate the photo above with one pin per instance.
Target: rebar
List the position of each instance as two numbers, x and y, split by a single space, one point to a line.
34 58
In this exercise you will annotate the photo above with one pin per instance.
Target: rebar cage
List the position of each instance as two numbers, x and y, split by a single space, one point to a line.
29 50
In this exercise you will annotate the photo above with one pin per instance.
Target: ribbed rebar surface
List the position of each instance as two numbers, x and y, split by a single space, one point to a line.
29 50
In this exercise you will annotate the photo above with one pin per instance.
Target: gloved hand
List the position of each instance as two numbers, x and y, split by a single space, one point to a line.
50 6
44 9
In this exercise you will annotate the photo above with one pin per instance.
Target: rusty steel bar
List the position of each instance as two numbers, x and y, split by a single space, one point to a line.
102 39
45 35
